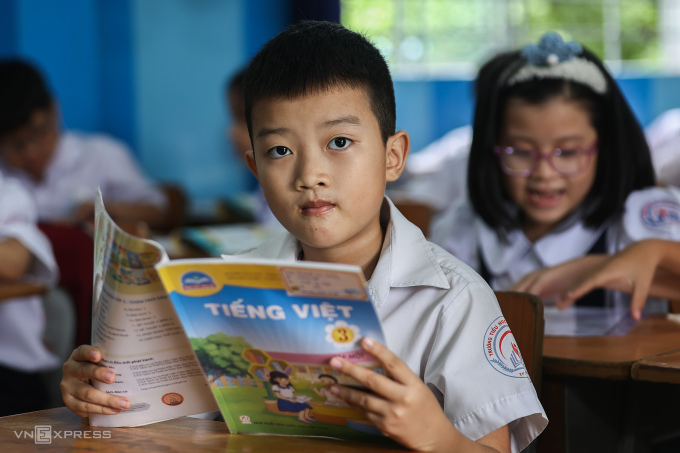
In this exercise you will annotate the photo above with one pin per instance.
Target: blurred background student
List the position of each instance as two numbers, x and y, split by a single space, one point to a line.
62 170
25 258
558 168
251 202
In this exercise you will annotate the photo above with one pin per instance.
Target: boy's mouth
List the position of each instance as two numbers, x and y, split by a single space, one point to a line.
545 198
316 207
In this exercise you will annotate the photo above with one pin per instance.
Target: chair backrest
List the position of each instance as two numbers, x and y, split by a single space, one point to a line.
524 313
417 213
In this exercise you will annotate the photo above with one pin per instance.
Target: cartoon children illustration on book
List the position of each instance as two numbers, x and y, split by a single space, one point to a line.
287 402
325 391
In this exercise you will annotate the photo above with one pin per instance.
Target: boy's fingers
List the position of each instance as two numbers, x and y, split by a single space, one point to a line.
89 395
394 366
83 408
373 381
361 400
86 371
86 353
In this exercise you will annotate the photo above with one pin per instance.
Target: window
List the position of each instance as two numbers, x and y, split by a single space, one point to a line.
453 37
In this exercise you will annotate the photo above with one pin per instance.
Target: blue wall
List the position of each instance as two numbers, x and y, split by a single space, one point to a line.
152 73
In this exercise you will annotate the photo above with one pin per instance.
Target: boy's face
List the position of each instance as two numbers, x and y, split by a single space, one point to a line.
30 147
323 166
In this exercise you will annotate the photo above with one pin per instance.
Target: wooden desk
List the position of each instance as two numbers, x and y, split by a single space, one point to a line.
178 435
610 357
635 356
660 368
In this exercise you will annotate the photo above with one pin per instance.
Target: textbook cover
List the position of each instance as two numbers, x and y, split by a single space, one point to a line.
264 332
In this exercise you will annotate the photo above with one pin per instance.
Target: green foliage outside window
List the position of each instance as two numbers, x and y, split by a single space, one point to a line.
445 32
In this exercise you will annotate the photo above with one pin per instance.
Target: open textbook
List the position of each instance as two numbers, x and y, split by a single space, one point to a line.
254 336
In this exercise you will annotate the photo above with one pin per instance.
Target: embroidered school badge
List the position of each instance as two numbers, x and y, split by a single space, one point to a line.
660 214
500 349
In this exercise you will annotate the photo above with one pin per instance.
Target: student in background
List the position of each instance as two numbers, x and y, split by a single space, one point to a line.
559 168
321 114
254 201
663 136
25 256
62 169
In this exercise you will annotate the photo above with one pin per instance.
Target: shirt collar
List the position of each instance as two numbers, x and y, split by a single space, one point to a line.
406 258
500 253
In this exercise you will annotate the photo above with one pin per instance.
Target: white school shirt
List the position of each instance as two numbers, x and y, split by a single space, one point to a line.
436 313
649 213
22 320
80 163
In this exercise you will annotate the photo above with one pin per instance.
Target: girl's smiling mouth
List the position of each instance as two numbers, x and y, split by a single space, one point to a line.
545 198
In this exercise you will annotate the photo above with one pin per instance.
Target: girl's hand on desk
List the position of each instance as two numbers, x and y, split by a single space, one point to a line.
551 283
77 392
631 270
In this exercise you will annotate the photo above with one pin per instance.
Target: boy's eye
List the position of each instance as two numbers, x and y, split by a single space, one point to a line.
278 152
339 143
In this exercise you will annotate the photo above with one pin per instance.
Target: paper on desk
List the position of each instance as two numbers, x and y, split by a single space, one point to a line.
587 321
139 333
226 239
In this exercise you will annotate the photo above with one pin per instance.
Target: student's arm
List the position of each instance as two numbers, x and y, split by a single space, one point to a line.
649 268
15 259
77 392
405 409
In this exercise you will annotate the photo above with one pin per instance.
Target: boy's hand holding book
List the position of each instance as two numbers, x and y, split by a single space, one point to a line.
79 395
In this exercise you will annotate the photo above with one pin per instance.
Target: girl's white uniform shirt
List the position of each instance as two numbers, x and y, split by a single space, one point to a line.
436 313
22 320
649 213
79 164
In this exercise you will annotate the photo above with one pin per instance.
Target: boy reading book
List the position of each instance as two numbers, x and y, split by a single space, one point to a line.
320 109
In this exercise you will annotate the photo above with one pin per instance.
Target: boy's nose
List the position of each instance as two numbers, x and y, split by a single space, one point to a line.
311 171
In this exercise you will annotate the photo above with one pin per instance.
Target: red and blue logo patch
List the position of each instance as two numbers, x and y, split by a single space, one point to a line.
660 214
501 350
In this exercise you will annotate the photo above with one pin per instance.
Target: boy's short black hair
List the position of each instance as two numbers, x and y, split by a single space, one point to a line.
23 91
313 56
624 161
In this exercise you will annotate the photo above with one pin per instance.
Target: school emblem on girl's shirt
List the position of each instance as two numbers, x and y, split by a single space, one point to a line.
660 214
500 349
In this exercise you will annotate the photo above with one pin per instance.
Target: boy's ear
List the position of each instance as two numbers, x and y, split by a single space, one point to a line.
250 160
397 149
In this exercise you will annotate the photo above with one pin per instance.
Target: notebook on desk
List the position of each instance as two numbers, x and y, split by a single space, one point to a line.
587 321
216 240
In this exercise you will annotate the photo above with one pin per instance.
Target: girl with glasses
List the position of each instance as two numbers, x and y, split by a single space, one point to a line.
558 169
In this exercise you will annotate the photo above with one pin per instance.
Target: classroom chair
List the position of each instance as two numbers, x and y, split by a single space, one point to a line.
417 213
524 313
